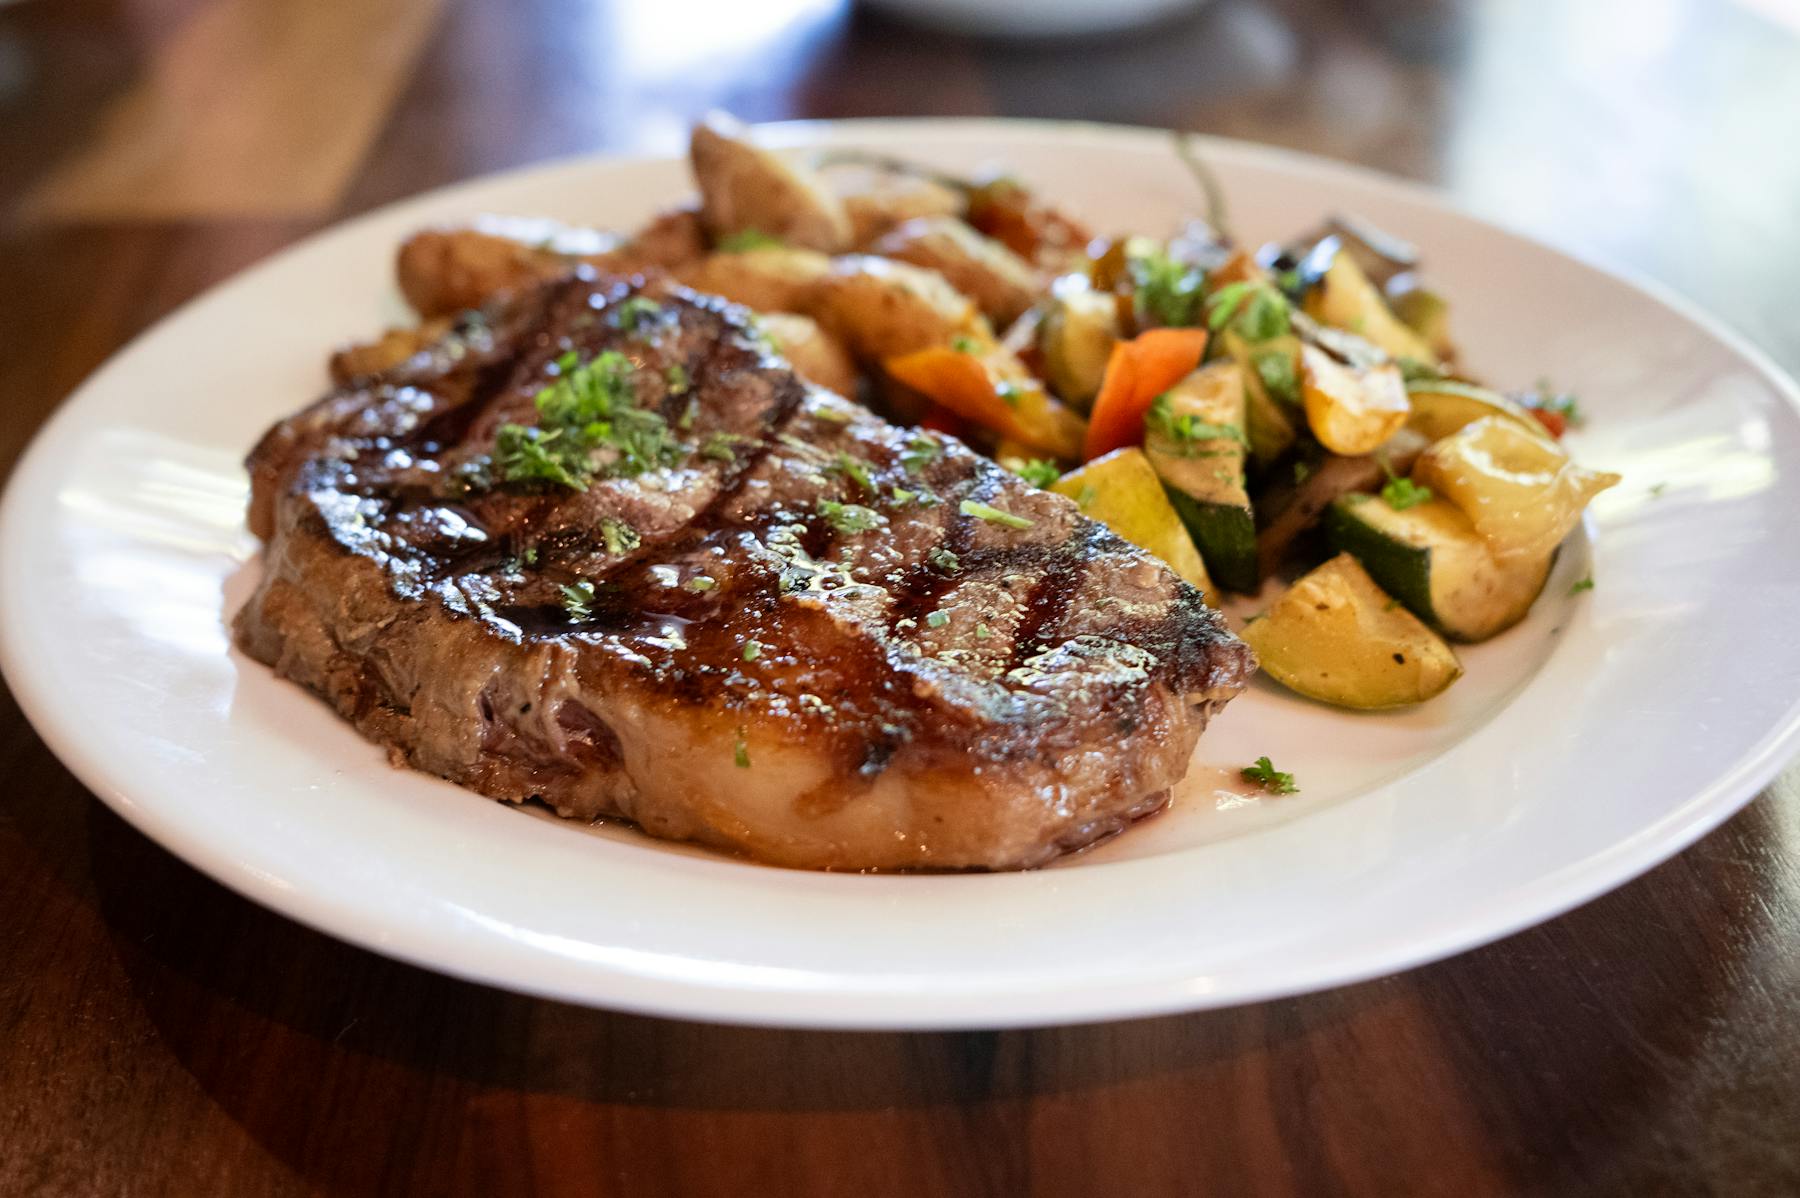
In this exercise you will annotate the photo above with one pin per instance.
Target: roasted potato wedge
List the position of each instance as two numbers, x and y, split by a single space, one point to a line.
881 308
768 279
446 270
353 362
744 188
879 203
1002 284
819 357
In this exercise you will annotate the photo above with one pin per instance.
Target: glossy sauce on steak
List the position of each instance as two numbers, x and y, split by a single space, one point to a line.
795 631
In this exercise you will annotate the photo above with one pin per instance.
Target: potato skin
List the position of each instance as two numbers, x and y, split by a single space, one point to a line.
815 355
744 188
768 279
882 309
360 360
878 205
1002 284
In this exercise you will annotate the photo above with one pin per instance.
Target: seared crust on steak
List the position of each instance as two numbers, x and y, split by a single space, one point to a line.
939 691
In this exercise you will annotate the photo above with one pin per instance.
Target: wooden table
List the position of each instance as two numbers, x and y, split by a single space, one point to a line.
163 1036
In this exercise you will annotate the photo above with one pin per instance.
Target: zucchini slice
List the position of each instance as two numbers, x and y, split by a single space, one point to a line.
1195 441
1121 491
1337 637
1443 407
1431 559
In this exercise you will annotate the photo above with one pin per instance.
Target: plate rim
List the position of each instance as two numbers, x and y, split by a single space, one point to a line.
1626 859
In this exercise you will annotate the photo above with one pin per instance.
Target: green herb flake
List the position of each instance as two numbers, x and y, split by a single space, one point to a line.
1657 489
588 411
718 447
992 515
676 376
752 650
1008 392
902 496
1586 584
700 583
530 555
943 559
1165 291
1302 472
740 752
578 600
569 360
849 518
963 345
1187 431
1390 605
526 454
635 312
1402 493
618 536
1039 472
831 415
749 239
854 469
1252 306
983 632
938 618
1264 774
920 452
1562 403
1085 497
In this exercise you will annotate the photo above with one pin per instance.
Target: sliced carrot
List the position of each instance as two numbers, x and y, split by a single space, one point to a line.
1003 398
1137 372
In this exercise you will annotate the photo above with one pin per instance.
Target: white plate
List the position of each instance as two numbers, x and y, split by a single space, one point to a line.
1603 735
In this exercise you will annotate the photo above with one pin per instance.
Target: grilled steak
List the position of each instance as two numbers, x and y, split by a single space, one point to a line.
768 624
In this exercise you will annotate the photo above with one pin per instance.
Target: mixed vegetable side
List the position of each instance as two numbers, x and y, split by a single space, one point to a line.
1243 414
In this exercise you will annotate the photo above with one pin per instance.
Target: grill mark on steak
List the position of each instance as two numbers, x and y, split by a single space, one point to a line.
1056 701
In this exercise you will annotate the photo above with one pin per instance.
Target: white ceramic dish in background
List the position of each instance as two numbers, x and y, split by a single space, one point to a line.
1600 737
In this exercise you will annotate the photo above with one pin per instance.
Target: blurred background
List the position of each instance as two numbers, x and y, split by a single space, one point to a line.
149 147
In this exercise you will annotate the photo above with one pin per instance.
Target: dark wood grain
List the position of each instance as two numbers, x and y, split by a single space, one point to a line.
160 1035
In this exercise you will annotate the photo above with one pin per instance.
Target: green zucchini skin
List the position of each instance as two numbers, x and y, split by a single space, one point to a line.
1225 534
1432 560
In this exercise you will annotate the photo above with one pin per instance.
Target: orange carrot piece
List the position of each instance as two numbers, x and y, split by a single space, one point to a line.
1017 408
1137 372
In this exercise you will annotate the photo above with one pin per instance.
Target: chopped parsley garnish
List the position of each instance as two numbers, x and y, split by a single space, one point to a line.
920 452
749 239
992 515
618 536
1164 290
590 410
849 517
689 414
1657 489
983 632
677 378
752 650
963 344
700 582
1264 774
740 752
1302 472
531 455
578 600
718 447
1086 496
1039 472
854 469
902 496
633 313
831 415
1007 392
530 555
1187 430
1586 584
1562 403
1402 493
1252 306
1275 368
943 559
938 618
